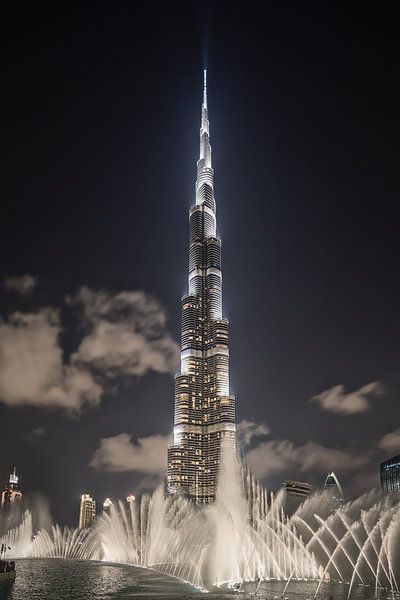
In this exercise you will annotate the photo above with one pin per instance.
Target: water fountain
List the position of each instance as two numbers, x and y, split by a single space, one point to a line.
244 536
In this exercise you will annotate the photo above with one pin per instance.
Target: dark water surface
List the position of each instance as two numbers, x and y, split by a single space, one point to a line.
58 579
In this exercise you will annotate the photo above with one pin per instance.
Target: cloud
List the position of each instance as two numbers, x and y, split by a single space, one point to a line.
23 285
127 334
148 455
276 456
280 456
123 334
336 400
34 434
391 441
247 429
32 371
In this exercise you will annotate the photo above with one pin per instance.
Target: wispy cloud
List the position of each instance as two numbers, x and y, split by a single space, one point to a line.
32 371
23 285
119 453
34 434
391 441
336 400
279 456
125 334
249 429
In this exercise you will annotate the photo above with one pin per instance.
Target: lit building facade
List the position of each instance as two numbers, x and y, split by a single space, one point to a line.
296 493
299 489
11 492
390 475
334 492
204 408
87 513
107 504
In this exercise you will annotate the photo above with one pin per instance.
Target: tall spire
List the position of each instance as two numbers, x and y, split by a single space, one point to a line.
205 89
204 408
204 162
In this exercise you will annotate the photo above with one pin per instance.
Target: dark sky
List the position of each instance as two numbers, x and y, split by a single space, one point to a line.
100 118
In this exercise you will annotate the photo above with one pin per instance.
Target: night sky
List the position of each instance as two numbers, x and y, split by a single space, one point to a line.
100 119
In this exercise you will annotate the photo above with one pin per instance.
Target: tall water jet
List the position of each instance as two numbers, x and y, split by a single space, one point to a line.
228 558
244 536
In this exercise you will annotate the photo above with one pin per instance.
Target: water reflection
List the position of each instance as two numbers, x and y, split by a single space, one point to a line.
60 579
56 579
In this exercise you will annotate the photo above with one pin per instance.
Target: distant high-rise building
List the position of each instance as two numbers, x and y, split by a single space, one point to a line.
296 493
107 504
87 513
334 491
11 492
298 488
204 407
390 475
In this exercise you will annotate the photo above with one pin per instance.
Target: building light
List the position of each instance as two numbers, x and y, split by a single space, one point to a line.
204 351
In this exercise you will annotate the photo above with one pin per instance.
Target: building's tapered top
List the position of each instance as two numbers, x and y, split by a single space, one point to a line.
331 480
204 164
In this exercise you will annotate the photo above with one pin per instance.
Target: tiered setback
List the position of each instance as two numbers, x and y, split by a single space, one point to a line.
204 409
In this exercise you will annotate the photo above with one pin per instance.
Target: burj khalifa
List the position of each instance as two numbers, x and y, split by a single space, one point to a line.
204 419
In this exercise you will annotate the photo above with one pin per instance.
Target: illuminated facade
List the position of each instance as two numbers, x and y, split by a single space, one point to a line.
299 489
296 492
11 492
334 492
204 408
390 475
87 513
107 504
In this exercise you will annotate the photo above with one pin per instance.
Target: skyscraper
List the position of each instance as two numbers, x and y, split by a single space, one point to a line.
334 491
87 513
390 475
296 492
298 489
107 504
204 408
11 492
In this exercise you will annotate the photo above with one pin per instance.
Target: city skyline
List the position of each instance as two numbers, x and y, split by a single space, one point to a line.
101 146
